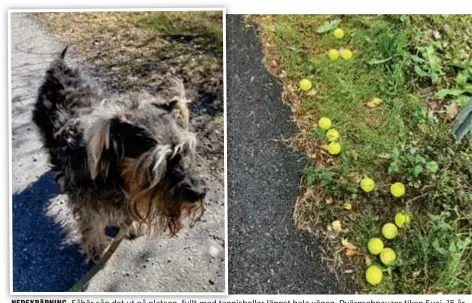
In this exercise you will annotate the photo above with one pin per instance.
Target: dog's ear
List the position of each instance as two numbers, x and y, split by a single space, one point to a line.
110 140
173 98
97 136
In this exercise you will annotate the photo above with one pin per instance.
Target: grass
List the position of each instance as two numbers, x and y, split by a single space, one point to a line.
424 79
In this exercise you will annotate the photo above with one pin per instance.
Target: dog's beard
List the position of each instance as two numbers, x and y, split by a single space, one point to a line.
154 205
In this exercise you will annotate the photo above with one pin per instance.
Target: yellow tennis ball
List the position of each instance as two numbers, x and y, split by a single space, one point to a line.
334 148
338 33
389 231
397 189
324 123
402 219
375 246
333 54
373 275
305 84
332 135
346 54
387 256
367 184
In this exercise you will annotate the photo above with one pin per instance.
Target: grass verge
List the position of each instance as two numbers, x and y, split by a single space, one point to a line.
420 66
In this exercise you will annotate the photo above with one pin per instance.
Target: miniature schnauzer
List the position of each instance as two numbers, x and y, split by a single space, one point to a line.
122 160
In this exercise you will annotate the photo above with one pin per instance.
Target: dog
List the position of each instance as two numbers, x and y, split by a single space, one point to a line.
122 160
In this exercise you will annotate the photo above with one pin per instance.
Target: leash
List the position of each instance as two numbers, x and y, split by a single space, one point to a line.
79 286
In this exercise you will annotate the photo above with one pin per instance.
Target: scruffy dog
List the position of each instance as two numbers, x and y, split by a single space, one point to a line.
127 159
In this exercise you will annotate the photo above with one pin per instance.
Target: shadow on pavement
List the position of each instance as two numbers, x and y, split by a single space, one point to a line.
40 261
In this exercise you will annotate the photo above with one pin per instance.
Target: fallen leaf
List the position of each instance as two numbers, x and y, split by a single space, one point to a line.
347 206
311 93
416 273
350 252
330 200
371 121
434 105
371 104
336 226
377 101
348 245
452 110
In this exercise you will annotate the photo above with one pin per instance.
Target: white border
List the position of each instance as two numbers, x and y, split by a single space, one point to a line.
193 295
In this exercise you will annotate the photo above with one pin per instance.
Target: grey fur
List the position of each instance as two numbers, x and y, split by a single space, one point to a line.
119 158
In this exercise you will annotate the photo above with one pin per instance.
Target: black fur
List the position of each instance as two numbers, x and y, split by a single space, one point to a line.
89 135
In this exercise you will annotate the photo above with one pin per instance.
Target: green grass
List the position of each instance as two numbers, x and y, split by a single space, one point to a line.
421 81
206 26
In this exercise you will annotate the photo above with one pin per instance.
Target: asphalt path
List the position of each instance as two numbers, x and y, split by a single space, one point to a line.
267 254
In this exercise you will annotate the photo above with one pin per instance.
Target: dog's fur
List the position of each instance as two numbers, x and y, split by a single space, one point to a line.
127 159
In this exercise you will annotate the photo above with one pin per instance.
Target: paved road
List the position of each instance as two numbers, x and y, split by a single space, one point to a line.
267 254
194 262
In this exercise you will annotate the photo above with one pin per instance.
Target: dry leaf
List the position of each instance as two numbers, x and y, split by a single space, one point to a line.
311 93
434 105
416 273
371 121
330 200
371 104
336 226
350 252
452 110
348 244
347 206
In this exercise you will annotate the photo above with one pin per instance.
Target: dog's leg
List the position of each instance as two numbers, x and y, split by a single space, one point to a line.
93 238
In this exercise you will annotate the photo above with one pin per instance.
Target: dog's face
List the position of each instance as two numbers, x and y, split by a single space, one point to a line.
140 143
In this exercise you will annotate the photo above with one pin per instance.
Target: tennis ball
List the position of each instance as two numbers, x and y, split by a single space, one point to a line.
346 54
402 219
373 275
387 256
367 184
334 148
305 84
375 246
324 123
397 189
389 231
338 33
333 54
332 135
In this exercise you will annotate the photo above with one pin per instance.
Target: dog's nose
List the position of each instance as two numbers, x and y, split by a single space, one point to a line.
194 194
